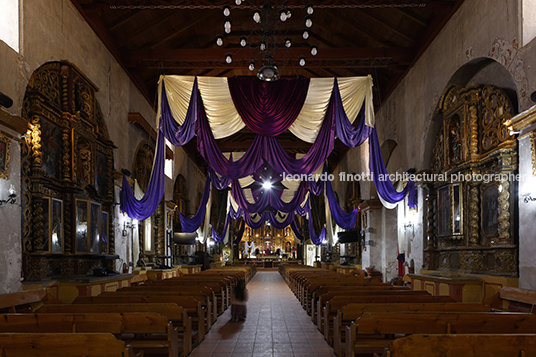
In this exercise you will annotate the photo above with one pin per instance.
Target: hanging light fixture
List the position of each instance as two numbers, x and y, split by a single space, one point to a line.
268 38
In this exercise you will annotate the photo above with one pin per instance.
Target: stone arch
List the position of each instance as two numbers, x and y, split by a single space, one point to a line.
479 71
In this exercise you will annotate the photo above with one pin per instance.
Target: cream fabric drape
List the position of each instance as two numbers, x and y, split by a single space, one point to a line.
225 121
221 112
399 187
138 192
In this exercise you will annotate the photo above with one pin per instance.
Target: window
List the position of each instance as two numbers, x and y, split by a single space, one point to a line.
9 23
147 235
52 233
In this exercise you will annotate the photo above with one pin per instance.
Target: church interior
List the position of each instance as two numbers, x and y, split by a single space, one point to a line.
365 167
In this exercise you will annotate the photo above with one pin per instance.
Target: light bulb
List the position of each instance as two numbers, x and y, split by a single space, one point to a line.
263 46
219 41
309 9
302 61
288 43
12 190
305 34
314 50
228 58
289 14
283 16
257 16
227 26
308 21
238 2
226 10
243 41
251 66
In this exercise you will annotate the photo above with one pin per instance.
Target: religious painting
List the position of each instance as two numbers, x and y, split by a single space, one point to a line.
83 161
5 144
490 210
82 218
455 140
456 209
50 146
100 173
443 212
95 228
45 233
104 234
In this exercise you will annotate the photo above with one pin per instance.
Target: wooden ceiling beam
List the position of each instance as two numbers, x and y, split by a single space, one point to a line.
218 4
351 23
126 17
412 16
176 31
184 55
387 26
147 27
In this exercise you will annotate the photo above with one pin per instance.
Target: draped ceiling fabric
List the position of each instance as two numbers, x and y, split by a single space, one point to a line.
315 110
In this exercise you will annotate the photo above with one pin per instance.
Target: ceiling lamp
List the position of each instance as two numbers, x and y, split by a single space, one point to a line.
269 38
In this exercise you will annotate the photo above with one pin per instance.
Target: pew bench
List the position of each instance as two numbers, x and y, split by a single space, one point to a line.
193 308
372 332
148 332
174 313
347 314
58 344
466 345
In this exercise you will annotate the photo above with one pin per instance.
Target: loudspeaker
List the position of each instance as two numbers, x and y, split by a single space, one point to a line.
5 100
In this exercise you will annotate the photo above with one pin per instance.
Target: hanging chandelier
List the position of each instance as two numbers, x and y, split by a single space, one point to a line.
269 41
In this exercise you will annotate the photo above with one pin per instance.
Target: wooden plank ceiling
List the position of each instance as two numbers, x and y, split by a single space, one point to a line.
383 38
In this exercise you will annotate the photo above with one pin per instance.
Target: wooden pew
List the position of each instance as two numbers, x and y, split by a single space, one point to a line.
513 299
372 332
317 310
149 332
466 345
334 332
174 313
208 302
59 344
193 307
22 301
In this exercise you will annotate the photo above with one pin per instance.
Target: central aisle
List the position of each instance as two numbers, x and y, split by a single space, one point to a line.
276 325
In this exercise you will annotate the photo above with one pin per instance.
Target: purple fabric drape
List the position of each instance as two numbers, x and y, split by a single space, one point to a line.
281 225
190 225
268 108
343 219
179 135
144 208
347 134
265 148
220 183
255 225
268 198
296 231
230 215
306 211
240 233
380 176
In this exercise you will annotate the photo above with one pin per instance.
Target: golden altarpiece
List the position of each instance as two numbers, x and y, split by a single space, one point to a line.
67 177
470 213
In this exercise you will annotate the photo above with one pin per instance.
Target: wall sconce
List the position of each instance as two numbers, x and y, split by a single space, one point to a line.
11 198
527 197
129 225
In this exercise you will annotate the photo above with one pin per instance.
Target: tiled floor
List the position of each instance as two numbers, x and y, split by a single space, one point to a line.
276 325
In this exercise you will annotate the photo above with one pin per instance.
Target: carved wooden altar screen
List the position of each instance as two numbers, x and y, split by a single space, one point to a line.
470 214
67 182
